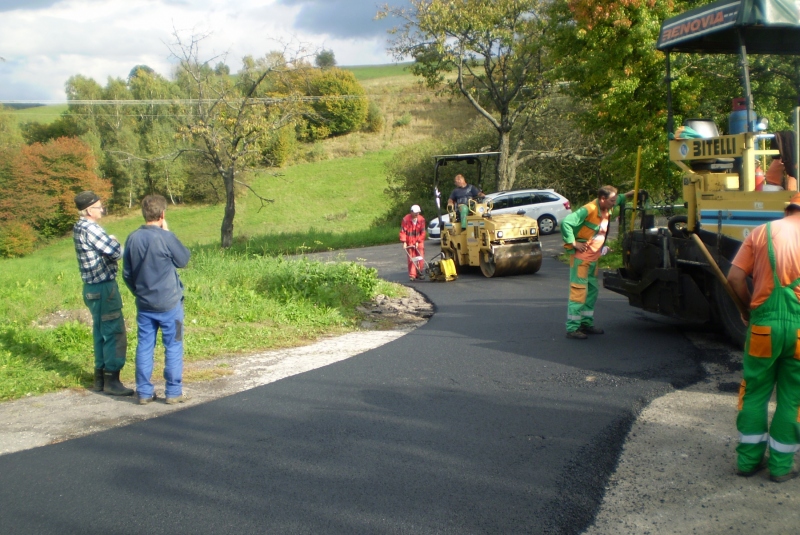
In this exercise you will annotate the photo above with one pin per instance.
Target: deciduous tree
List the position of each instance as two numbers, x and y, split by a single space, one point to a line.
607 58
495 47
232 120
325 59
343 106
41 181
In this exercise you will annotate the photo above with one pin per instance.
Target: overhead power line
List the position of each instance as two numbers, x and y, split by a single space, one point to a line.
182 101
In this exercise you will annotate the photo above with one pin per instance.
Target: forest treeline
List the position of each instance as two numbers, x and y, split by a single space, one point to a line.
566 91
148 134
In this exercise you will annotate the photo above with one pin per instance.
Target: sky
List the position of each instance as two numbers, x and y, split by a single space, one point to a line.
44 42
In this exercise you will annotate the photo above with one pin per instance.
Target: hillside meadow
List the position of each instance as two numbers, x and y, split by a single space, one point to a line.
252 297
39 114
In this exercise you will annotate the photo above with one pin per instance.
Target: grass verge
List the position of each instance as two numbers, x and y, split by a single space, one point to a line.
235 303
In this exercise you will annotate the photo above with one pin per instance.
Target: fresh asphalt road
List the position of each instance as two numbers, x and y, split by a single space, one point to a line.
485 420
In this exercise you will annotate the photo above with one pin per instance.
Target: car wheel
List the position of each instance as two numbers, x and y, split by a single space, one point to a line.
547 225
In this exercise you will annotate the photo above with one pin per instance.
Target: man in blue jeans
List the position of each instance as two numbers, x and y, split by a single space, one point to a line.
150 261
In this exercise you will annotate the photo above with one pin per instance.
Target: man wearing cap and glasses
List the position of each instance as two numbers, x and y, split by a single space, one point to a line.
98 254
771 254
412 236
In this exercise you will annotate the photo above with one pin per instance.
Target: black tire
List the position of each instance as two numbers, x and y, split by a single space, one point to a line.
727 315
547 224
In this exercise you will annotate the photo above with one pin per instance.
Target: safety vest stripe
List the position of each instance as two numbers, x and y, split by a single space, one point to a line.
752 439
783 448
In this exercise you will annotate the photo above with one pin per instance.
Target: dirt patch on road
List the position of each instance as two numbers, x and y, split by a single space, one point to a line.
37 421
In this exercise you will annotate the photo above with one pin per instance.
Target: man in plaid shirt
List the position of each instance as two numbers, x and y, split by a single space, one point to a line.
98 254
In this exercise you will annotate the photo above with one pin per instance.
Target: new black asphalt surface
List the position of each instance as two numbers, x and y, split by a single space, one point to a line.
485 420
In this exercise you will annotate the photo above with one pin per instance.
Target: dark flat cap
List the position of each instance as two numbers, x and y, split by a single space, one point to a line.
85 199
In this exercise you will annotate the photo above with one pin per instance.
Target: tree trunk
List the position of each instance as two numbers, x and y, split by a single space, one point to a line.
511 171
230 207
503 162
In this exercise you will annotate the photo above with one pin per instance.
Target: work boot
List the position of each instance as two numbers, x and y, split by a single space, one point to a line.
146 400
178 399
98 380
591 329
749 473
785 477
112 385
576 335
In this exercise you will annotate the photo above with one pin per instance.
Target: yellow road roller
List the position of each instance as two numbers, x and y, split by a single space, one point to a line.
501 245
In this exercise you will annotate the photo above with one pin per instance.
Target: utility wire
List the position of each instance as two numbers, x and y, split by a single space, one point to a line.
185 101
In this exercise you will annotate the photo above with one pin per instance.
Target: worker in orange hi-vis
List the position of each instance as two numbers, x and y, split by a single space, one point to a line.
584 234
771 254
412 236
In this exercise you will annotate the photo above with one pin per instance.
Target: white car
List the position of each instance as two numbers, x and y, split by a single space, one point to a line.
434 232
544 205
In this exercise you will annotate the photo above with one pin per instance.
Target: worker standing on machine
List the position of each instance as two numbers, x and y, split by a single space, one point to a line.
460 197
771 254
412 236
584 233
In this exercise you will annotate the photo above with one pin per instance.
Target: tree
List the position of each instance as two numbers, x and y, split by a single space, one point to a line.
344 105
140 69
606 56
232 121
221 69
46 176
64 126
129 139
156 128
325 59
495 47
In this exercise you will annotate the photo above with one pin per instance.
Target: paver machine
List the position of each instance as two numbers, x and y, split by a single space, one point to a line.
501 245
665 270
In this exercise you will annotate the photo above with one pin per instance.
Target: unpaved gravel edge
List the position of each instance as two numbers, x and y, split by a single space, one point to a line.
50 418
676 472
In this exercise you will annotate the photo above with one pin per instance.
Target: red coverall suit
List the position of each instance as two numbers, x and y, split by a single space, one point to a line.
412 234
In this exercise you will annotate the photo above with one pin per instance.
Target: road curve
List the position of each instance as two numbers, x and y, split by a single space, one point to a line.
485 420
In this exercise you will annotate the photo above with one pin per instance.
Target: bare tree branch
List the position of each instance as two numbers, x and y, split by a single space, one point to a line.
262 199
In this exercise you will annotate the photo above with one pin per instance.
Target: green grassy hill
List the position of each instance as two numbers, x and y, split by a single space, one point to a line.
39 114
370 72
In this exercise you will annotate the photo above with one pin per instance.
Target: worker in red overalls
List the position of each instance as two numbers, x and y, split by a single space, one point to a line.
771 254
412 236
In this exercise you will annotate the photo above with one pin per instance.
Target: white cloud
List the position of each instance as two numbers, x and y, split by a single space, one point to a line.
47 42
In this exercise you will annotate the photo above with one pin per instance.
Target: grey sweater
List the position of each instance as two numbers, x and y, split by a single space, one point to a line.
150 260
